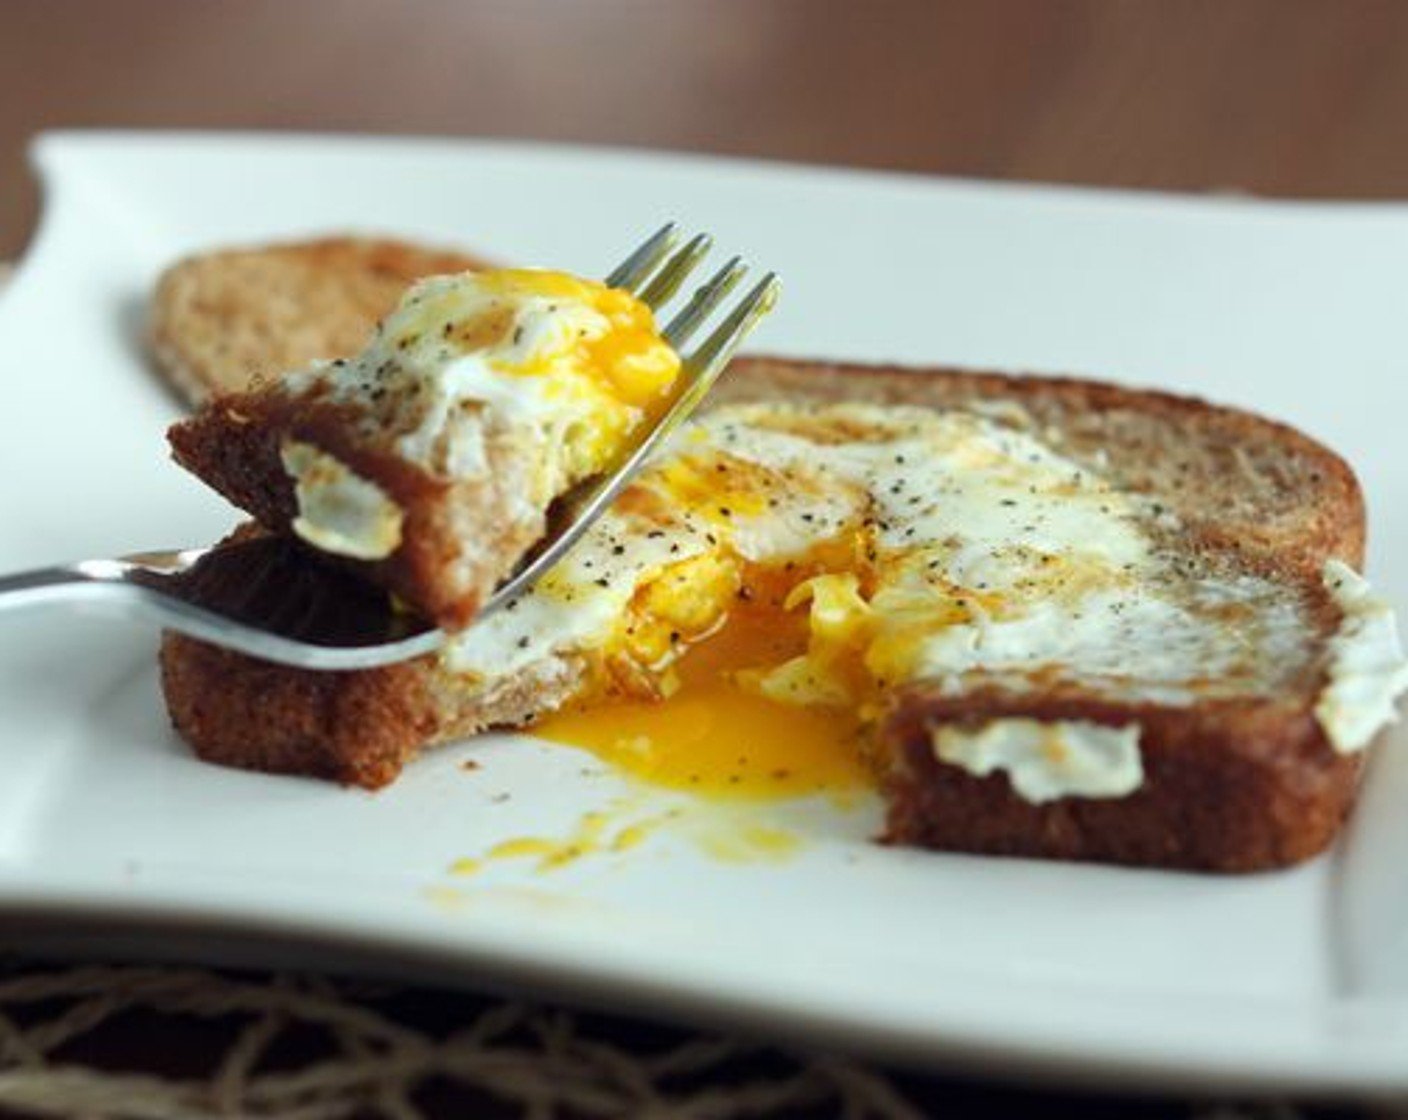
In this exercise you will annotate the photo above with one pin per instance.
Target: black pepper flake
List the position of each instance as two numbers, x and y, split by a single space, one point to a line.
724 511
523 642
517 335
603 582
618 550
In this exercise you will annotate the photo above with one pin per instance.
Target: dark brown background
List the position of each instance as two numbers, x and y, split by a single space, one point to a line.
1301 97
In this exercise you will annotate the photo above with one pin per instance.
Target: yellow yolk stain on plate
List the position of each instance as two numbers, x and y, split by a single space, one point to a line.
711 736
752 843
724 833
597 832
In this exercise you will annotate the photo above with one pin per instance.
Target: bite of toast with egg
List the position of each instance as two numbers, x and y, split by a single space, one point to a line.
1044 617
430 459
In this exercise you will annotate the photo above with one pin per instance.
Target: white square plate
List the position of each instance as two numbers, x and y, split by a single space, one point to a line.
1292 981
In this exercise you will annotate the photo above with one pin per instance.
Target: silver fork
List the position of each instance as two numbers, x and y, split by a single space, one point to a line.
269 598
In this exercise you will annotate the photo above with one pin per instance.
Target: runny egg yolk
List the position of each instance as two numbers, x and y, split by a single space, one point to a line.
711 734
703 720
616 344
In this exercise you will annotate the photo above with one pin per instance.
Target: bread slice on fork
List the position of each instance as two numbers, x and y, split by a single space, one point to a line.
430 459
1071 620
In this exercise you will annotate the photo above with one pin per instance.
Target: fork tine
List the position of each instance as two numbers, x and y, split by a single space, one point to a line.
632 271
667 281
702 304
700 371
713 354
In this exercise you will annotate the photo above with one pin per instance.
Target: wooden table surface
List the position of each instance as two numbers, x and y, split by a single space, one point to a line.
1286 97
1281 97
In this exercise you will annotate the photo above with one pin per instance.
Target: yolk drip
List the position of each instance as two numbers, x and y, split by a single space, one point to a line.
711 736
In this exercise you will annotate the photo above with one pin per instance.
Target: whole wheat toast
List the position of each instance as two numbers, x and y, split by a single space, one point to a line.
1235 783
430 459
458 539
221 321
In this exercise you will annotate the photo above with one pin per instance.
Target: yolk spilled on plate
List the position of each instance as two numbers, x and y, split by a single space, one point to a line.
710 736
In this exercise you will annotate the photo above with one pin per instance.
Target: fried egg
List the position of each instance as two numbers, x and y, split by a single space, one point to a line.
564 367
753 601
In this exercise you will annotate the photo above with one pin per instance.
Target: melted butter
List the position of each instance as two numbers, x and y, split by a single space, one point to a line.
710 736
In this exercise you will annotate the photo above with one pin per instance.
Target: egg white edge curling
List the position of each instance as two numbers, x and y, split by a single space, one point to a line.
1367 670
1047 760
339 511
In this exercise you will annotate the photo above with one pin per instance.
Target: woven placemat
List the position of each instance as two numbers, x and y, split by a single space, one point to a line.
141 1042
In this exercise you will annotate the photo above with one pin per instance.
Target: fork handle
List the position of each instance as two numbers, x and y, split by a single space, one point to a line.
65 583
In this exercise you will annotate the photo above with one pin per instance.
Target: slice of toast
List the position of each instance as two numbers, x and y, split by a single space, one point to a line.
1253 767
221 321
430 459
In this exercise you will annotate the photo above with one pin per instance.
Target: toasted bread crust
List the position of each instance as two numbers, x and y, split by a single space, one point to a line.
221 321
358 728
1229 785
459 539
355 728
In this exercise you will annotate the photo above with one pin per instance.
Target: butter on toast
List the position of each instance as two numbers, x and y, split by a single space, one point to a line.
1215 733
220 321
